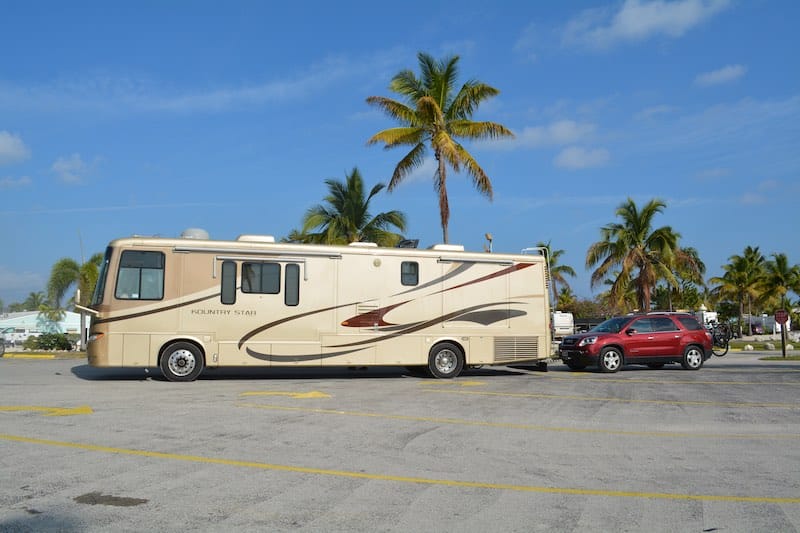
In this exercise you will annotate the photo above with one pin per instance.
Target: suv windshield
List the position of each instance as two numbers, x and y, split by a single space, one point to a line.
612 325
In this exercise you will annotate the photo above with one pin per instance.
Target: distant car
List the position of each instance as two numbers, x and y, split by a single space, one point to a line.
653 339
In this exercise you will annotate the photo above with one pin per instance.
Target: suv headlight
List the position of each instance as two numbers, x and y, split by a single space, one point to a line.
588 340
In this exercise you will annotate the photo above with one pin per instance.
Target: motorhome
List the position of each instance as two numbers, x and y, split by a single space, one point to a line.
563 324
186 304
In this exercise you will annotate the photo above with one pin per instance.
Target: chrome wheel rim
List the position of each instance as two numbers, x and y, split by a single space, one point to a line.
181 362
445 361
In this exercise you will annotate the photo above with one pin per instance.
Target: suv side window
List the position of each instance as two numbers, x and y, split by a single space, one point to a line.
641 326
663 323
690 323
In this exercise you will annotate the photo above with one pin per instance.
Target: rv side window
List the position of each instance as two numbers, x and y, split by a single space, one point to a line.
261 278
409 273
141 276
292 295
228 291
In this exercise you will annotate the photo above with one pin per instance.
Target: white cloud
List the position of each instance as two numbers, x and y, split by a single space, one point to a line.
638 20
121 93
424 172
12 149
769 185
11 183
557 133
751 198
73 170
654 111
726 74
576 157
527 42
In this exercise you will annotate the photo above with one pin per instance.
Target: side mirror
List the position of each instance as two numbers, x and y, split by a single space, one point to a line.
630 331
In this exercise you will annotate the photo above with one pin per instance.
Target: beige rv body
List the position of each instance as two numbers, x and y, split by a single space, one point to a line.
348 305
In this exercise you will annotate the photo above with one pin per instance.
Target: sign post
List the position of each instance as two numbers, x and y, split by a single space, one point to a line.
781 316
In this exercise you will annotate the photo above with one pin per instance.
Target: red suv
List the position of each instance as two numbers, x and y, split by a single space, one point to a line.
652 339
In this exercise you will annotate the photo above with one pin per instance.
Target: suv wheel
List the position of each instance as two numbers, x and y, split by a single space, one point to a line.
692 358
610 359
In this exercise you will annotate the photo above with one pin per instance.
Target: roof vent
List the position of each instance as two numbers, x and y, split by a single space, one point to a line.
363 244
447 247
195 233
408 243
256 238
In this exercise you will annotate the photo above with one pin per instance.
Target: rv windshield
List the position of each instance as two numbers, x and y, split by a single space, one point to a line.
100 288
612 325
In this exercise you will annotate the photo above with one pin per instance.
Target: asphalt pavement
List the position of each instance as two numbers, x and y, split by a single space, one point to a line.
497 449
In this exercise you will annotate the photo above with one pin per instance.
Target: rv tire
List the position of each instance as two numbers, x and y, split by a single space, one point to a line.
446 360
182 361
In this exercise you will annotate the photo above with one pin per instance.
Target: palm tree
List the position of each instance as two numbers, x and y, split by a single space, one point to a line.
566 299
689 271
780 278
346 216
557 272
435 114
34 301
643 255
621 296
64 274
742 279
87 278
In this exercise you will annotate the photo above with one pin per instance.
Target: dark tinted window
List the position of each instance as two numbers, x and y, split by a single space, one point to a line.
228 290
100 287
612 325
690 323
663 323
140 276
261 278
409 273
292 295
643 325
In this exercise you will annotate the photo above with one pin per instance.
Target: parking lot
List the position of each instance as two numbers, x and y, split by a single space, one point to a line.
497 449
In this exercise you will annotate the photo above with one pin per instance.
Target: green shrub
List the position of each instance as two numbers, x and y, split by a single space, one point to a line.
48 341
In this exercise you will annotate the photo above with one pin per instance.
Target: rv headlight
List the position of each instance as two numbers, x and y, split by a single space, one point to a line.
588 340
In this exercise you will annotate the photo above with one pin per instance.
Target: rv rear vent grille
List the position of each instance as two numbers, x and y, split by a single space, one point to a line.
511 349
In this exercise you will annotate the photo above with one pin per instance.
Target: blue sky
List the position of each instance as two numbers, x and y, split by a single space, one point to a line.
120 118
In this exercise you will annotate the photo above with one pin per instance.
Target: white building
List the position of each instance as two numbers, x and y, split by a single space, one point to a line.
17 327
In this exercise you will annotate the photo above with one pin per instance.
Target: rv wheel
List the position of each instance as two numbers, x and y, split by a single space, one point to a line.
182 361
446 360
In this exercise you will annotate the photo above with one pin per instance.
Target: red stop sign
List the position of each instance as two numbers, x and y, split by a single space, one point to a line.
781 316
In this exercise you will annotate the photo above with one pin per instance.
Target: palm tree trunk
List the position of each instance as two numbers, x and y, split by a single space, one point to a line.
444 207
741 312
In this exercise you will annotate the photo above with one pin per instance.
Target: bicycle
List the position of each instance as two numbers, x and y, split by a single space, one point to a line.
721 335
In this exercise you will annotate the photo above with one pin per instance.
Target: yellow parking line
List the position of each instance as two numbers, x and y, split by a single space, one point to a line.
512 425
402 479
620 400
8 355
